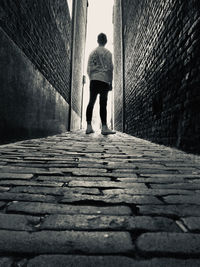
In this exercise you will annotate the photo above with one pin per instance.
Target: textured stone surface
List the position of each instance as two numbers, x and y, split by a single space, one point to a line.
2 204
4 188
136 190
111 199
6 262
21 176
169 243
65 242
55 190
108 261
100 222
29 183
159 75
50 208
181 199
105 184
18 222
186 185
192 223
171 210
26 197
61 210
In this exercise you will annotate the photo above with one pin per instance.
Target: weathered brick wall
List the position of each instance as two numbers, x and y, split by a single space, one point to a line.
35 47
29 105
78 60
42 30
118 67
162 56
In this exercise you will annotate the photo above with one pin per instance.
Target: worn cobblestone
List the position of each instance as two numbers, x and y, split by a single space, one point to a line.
65 242
192 223
100 222
123 198
55 191
15 176
66 179
97 198
29 183
107 261
2 204
26 197
4 188
18 222
169 243
183 199
6 262
170 210
104 184
50 208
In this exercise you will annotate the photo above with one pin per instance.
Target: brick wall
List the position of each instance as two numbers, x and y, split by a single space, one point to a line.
29 105
162 56
42 30
35 66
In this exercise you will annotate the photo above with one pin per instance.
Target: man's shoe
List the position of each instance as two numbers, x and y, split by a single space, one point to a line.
106 131
89 130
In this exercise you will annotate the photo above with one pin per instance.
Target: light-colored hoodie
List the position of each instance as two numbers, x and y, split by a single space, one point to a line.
100 65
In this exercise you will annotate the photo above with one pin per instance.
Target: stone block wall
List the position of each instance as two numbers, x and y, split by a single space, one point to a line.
161 71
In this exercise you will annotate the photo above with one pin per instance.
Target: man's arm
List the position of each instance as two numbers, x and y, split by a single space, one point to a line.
88 66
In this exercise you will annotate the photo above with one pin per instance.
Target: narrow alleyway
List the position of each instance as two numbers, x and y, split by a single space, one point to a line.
77 200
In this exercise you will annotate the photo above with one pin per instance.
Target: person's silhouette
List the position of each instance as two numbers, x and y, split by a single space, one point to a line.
100 72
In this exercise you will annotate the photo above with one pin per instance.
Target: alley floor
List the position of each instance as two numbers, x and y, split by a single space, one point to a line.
91 200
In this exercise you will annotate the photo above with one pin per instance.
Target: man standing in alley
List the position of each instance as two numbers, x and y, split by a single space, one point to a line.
100 72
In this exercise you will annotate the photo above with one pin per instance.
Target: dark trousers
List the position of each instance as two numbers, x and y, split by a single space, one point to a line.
101 88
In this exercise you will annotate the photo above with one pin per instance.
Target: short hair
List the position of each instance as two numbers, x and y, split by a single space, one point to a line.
102 39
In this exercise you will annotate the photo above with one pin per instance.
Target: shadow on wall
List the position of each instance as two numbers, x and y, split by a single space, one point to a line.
29 104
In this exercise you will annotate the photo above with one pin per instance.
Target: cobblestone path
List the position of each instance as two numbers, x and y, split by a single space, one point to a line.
84 201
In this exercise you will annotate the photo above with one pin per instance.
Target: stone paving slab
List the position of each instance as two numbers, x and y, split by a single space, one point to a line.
103 184
192 223
170 210
2 204
18 222
141 191
99 201
186 185
4 188
107 261
65 242
15 176
111 199
26 197
57 191
169 243
51 208
102 222
6 262
29 183
66 179
183 199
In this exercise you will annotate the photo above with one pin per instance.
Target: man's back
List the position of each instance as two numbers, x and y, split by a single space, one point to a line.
100 66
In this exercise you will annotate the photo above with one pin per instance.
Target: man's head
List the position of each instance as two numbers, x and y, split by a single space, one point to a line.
102 39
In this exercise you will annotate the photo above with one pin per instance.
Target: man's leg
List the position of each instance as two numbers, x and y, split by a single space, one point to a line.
103 113
103 106
89 111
